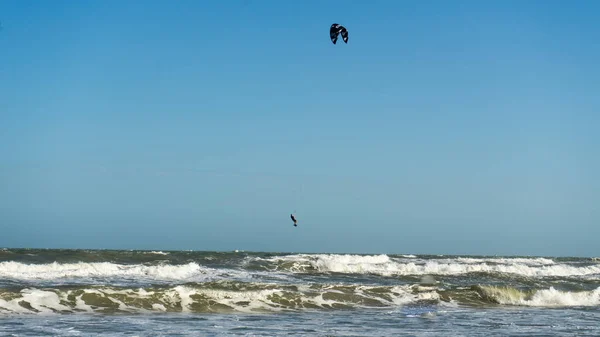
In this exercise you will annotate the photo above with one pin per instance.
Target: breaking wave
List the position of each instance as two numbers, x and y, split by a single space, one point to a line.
222 296
280 266
388 266
232 297
107 272
539 297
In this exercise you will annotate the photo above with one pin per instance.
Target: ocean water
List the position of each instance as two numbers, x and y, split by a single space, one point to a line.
191 293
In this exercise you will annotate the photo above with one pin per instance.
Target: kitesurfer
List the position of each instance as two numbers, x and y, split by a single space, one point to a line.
294 220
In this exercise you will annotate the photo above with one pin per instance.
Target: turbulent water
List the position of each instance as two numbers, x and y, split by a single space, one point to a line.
85 292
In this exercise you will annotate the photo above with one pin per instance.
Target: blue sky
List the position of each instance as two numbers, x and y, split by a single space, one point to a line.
441 127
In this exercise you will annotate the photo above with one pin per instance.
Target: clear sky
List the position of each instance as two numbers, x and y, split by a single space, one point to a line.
442 127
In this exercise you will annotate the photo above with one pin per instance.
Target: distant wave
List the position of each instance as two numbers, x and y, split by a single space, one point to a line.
157 252
382 265
84 272
387 266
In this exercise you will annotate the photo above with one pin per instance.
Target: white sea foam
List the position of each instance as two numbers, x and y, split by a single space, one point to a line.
540 261
157 253
106 270
386 266
40 301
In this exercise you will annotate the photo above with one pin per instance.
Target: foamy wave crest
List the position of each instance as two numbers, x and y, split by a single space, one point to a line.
157 253
386 266
540 261
541 298
105 270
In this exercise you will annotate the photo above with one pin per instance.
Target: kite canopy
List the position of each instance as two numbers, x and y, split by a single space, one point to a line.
337 29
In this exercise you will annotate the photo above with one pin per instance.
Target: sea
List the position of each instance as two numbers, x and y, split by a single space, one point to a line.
61 292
